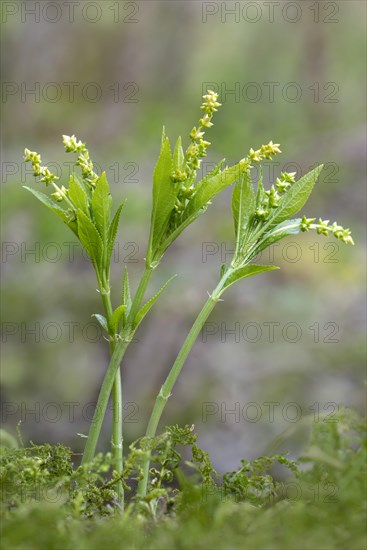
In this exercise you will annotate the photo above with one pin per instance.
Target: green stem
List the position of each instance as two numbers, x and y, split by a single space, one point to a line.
110 376
117 420
166 389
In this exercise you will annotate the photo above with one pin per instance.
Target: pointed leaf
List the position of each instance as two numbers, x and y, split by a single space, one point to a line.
101 321
90 238
163 138
178 155
192 211
247 271
284 229
47 201
126 294
243 203
112 232
52 205
78 195
260 193
116 318
296 197
176 232
210 186
164 195
101 205
144 310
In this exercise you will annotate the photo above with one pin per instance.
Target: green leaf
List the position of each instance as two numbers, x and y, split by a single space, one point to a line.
163 138
47 201
243 203
126 294
90 238
112 232
295 198
246 271
192 212
52 205
101 205
284 229
116 318
178 155
211 185
146 307
176 232
260 193
101 321
164 196
78 195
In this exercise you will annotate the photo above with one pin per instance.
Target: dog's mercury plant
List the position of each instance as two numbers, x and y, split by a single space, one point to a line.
261 218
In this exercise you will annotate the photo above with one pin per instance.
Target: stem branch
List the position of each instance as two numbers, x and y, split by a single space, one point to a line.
110 376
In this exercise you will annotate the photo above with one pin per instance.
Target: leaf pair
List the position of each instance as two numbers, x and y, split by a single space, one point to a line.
254 235
166 225
95 231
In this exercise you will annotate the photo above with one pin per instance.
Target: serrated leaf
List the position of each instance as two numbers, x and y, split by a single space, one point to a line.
101 321
247 271
78 195
164 196
186 222
112 232
284 229
101 205
243 203
47 201
146 307
116 318
191 213
295 198
90 238
126 294
178 155
210 186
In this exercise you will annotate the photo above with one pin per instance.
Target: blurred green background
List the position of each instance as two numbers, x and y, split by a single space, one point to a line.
113 73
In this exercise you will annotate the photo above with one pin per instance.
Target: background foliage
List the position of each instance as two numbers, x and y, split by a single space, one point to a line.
162 63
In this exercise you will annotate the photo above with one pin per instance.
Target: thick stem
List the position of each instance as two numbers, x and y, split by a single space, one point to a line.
167 387
110 376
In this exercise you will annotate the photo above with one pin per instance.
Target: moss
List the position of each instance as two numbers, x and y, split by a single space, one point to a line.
47 503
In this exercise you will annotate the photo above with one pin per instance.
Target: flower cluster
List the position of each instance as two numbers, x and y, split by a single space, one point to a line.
72 145
61 193
265 152
323 228
271 198
38 170
196 151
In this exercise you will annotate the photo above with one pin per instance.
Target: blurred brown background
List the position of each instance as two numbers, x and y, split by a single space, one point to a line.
113 73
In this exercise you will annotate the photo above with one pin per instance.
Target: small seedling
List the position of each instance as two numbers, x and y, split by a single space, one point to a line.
261 218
